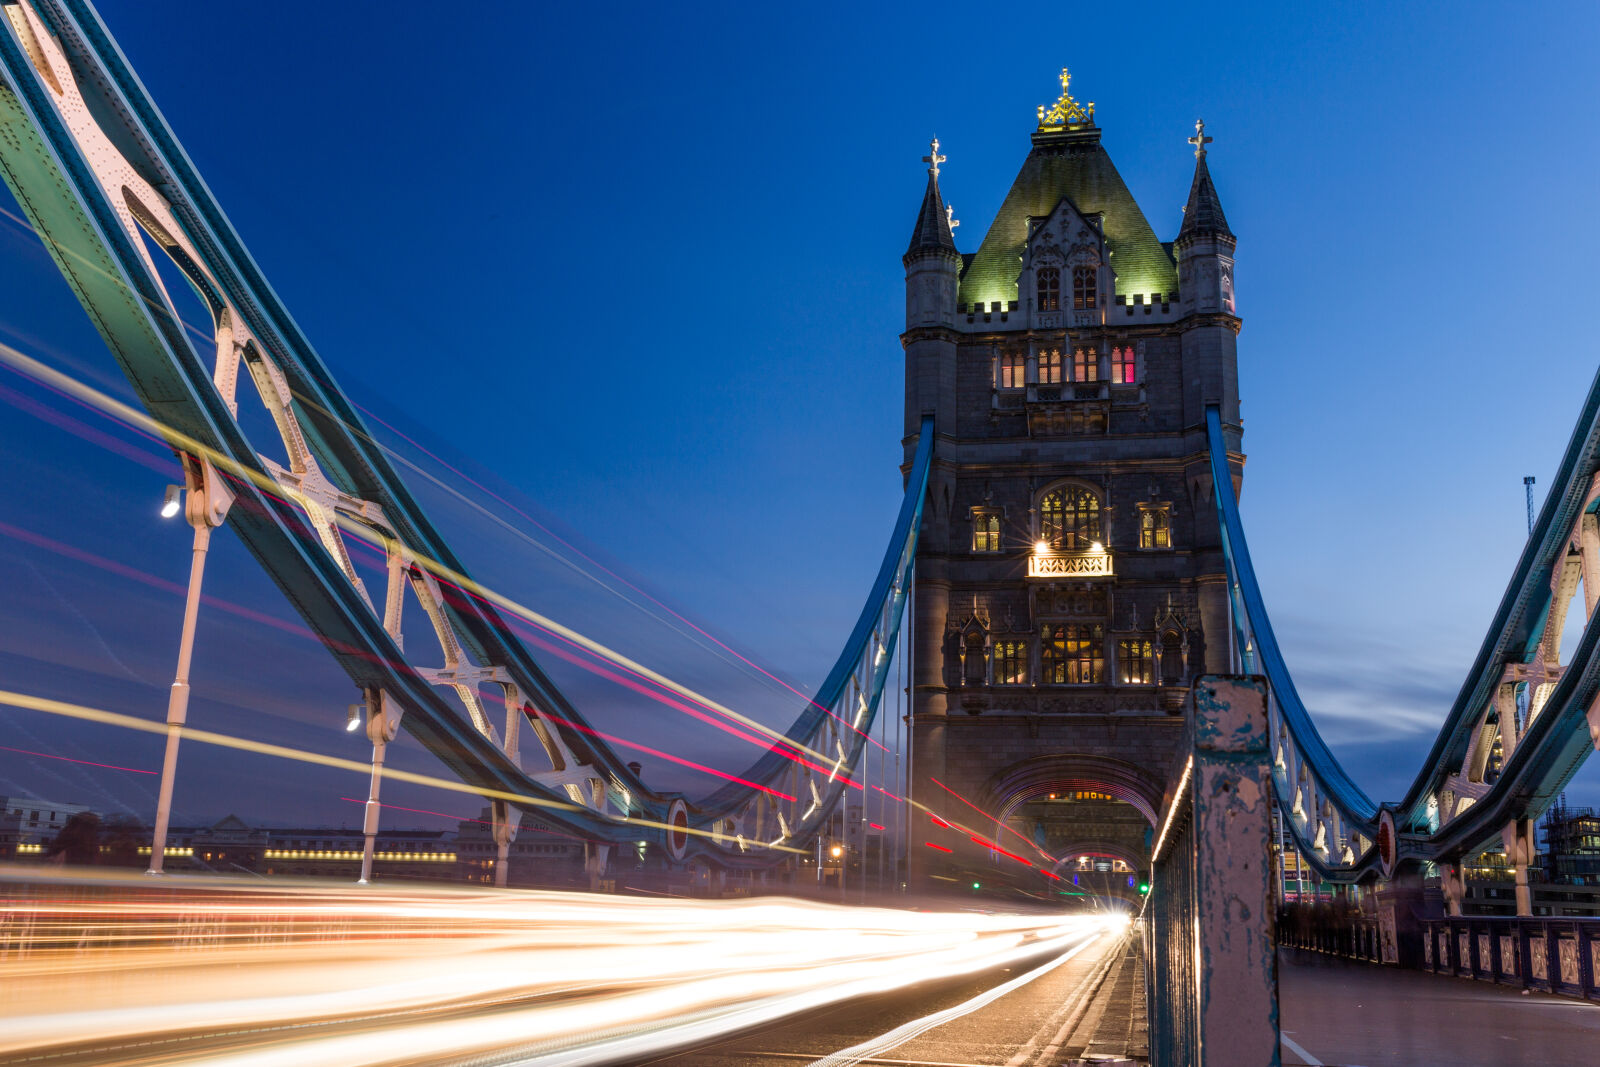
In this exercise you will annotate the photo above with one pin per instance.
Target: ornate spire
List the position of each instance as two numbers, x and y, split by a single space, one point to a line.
934 224
1066 111
1203 214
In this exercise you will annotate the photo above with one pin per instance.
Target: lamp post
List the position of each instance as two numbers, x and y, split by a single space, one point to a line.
206 507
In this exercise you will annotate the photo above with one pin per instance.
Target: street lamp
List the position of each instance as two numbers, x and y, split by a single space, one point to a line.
353 723
169 506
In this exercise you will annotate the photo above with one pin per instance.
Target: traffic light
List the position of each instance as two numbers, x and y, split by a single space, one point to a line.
975 885
1144 887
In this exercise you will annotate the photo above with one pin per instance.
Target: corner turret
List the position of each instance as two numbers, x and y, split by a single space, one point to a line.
933 272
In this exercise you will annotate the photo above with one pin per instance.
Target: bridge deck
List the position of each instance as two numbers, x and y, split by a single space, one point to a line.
1341 1012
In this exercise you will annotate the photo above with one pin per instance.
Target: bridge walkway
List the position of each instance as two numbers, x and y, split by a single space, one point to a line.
1091 1006
1345 1013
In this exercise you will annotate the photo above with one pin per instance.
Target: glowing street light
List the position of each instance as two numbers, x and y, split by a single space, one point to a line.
169 506
353 722
836 851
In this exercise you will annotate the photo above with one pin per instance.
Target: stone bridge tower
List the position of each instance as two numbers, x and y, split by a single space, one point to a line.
1070 580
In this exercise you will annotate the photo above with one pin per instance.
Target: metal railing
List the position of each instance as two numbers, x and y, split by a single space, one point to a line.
1559 956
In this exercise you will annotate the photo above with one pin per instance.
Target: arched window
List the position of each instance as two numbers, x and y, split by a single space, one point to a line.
1124 366
1011 663
1050 367
1013 370
985 531
1155 527
1049 279
1084 290
1069 518
1136 662
1085 365
1072 655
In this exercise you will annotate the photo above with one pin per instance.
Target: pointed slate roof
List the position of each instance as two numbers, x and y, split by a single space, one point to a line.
933 223
1203 215
1069 164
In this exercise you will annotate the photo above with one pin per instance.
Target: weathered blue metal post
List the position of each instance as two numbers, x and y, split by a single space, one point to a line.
1214 974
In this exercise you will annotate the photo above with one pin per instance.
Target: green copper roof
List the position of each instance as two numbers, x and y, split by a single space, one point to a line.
1069 165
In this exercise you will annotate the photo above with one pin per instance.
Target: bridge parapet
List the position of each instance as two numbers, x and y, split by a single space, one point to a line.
1208 921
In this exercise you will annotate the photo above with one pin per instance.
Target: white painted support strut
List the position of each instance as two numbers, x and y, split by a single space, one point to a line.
206 507
383 724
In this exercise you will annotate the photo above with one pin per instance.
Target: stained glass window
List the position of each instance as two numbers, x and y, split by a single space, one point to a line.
985 532
1124 366
1050 367
1136 661
1085 365
1011 663
1013 369
1154 528
1069 518
1072 655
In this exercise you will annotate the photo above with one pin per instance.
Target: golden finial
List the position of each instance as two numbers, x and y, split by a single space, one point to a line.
1200 140
1067 111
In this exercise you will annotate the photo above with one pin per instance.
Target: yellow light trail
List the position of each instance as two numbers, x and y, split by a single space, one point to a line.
126 413
244 744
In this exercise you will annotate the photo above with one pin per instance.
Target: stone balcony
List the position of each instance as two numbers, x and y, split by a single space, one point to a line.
1055 564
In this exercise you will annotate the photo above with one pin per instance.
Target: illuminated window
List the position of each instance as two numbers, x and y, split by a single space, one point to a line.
1085 365
985 530
1154 527
1049 279
1013 370
1124 366
1069 518
1011 663
1050 367
1136 661
1072 655
1084 294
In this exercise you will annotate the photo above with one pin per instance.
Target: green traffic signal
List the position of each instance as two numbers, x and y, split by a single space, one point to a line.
1144 887
975 885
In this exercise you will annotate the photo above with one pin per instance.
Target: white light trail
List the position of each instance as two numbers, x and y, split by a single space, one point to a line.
304 974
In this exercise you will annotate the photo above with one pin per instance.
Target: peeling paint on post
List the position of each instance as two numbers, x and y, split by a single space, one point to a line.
1209 923
1234 915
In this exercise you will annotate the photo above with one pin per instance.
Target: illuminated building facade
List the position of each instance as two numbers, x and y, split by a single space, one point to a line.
1070 580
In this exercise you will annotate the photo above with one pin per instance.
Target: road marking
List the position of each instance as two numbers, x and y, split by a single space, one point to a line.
1294 1047
849 1057
1074 1009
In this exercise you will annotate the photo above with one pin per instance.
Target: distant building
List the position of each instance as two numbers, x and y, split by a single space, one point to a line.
1572 846
29 824
1565 883
541 856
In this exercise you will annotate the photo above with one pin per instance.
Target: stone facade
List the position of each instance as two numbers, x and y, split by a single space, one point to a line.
1070 580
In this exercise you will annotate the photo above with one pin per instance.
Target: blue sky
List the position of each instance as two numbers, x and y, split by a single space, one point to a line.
637 269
